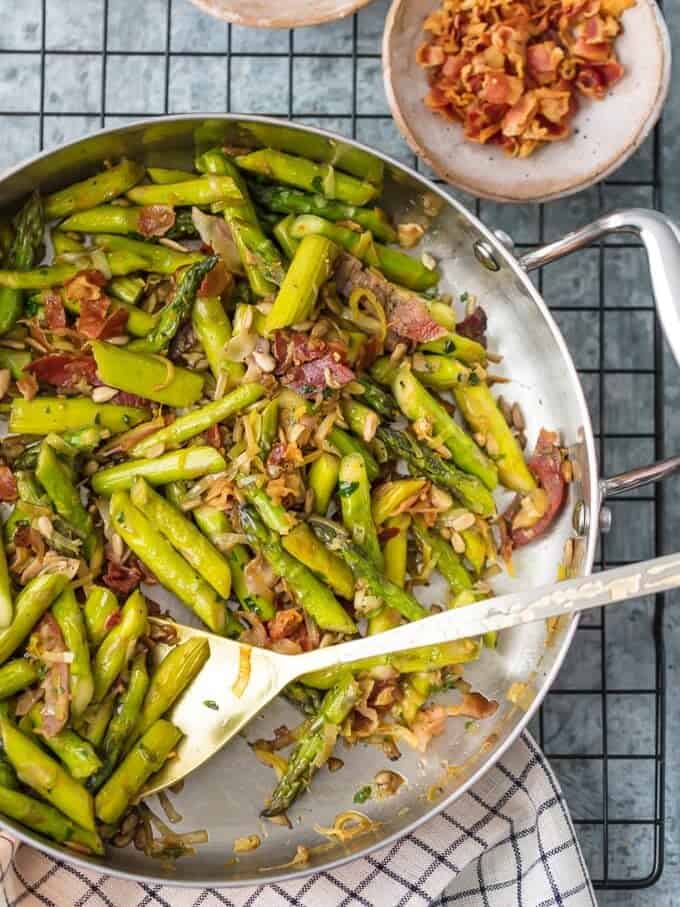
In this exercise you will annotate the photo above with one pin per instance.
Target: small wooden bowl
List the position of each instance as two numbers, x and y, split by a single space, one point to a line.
606 133
279 13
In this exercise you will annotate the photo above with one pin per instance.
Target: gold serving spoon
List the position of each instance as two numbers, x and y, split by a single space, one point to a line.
238 680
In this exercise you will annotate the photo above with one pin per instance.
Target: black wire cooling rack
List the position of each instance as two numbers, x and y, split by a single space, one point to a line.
64 67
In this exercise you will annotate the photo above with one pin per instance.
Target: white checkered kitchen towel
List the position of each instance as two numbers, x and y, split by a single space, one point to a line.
508 841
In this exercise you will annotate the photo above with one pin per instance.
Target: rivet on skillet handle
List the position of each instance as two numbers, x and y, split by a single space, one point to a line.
661 239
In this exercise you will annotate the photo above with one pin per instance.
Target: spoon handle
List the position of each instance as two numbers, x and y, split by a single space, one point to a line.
567 597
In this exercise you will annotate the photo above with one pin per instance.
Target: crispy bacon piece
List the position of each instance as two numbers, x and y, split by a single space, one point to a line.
8 485
217 282
309 364
122 578
95 322
326 372
55 316
546 465
28 385
54 713
213 437
64 369
122 398
474 326
284 623
407 314
487 63
85 285
156 220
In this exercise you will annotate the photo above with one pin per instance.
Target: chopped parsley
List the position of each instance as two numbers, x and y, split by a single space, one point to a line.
464 297
363 794
211 704
345 489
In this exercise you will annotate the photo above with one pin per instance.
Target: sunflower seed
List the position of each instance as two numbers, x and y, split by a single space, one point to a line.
104 394
463 522
458 543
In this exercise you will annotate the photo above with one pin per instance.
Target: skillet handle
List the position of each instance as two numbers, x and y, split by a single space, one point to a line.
635 478
661 239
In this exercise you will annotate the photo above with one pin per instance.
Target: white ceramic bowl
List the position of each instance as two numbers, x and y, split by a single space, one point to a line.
279 13
605 134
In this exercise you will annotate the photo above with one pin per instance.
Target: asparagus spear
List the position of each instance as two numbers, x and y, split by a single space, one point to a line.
423 461
322 480
463 348
260 257
6 603
149 256
101 613
77 755
183 536
306 757
170 467
16 675
55 478
22 255
202 190
170 679
315 597
48 821
285 238
319 148
362 420
96 190
274 516
345 444
378 399
364 569
448 563
395 265
120 727
388 497
141 762
40 772
162 175
14 360
35 598
416 403
118 645
170 567
177 310
238 557
306 548
211 324
483 415
304 174
395 551
148 375
95 720
199 420
309 270
68 615
126 289
106 219
59 414
292 201
355 502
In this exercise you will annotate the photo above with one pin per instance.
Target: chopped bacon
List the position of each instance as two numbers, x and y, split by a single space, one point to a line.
55 316
54 713
213 437
474 326
122 578
217 282
407 314
486 63
277 455
284 623
156 220
411 319
122 398
8 485
27 700
64 369
310 378
85 285
95 322
546 465
310 364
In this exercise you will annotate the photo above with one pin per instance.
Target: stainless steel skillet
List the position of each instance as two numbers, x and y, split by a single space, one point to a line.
225 796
